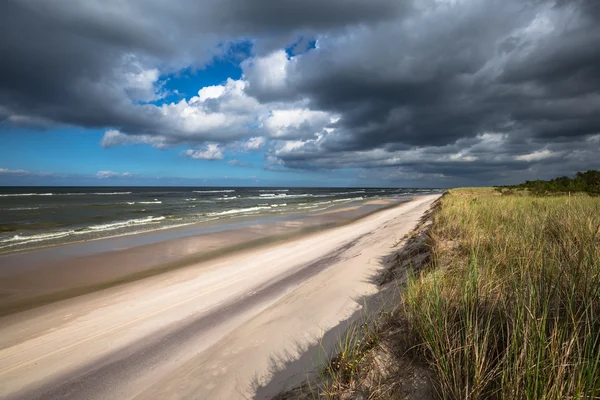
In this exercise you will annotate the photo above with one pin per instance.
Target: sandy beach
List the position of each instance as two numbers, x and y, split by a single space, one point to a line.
214 329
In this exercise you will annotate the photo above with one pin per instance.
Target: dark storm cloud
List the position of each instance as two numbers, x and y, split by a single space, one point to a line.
529 70
433 88
446 89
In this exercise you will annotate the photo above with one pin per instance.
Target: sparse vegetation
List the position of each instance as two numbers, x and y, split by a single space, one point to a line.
508 306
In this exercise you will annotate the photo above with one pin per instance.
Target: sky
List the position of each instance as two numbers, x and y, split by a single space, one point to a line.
388 93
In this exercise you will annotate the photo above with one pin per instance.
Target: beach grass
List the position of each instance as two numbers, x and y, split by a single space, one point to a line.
508 306
511 307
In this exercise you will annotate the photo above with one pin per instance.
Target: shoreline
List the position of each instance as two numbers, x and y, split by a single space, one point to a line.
206 226
31 286
43 219
208 329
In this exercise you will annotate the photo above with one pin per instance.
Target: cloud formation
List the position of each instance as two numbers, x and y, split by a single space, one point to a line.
112 174
440 90
210 152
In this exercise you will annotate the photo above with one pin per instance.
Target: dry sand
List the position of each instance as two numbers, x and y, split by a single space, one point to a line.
208 331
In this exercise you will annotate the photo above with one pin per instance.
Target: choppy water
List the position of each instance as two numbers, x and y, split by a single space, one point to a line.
38 216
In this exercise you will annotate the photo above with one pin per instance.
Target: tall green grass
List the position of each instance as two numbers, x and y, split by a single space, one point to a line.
511 309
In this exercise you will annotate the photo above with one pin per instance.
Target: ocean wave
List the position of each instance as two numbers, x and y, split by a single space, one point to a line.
279 205
62 194
214 191
23 208
131 203
271 196
274 190
24 239
120 224
238 211
227 198
307 207
92 194
105 194
25 194
36 238
355 192
349 199
191 199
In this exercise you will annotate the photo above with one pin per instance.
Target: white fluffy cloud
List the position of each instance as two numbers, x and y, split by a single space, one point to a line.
218 113
227 113
254 143
112 174
210 152
114 138
267 76
139 83
297 123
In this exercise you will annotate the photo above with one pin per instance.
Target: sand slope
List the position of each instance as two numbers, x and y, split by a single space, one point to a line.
207 331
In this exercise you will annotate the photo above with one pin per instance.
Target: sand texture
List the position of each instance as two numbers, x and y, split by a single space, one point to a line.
212 330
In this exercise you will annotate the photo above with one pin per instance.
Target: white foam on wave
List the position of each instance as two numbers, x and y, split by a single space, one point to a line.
92 194
271 196
274 190
23 208
355 192
25 194
121 224
35 238
350 199
62 194
227 198
214 191
105 194
131 203
238 211
24 239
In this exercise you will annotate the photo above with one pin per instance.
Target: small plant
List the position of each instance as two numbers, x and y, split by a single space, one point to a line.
351 352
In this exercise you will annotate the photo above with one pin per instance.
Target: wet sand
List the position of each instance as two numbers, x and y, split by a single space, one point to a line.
44 276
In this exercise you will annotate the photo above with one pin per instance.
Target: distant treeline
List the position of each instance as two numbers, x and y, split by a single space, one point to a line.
588 182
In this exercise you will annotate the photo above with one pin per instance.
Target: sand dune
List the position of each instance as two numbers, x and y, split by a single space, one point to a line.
206 331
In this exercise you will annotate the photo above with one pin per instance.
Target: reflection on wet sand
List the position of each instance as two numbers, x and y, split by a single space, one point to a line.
47 275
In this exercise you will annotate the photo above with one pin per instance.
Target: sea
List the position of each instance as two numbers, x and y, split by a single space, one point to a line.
32 217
